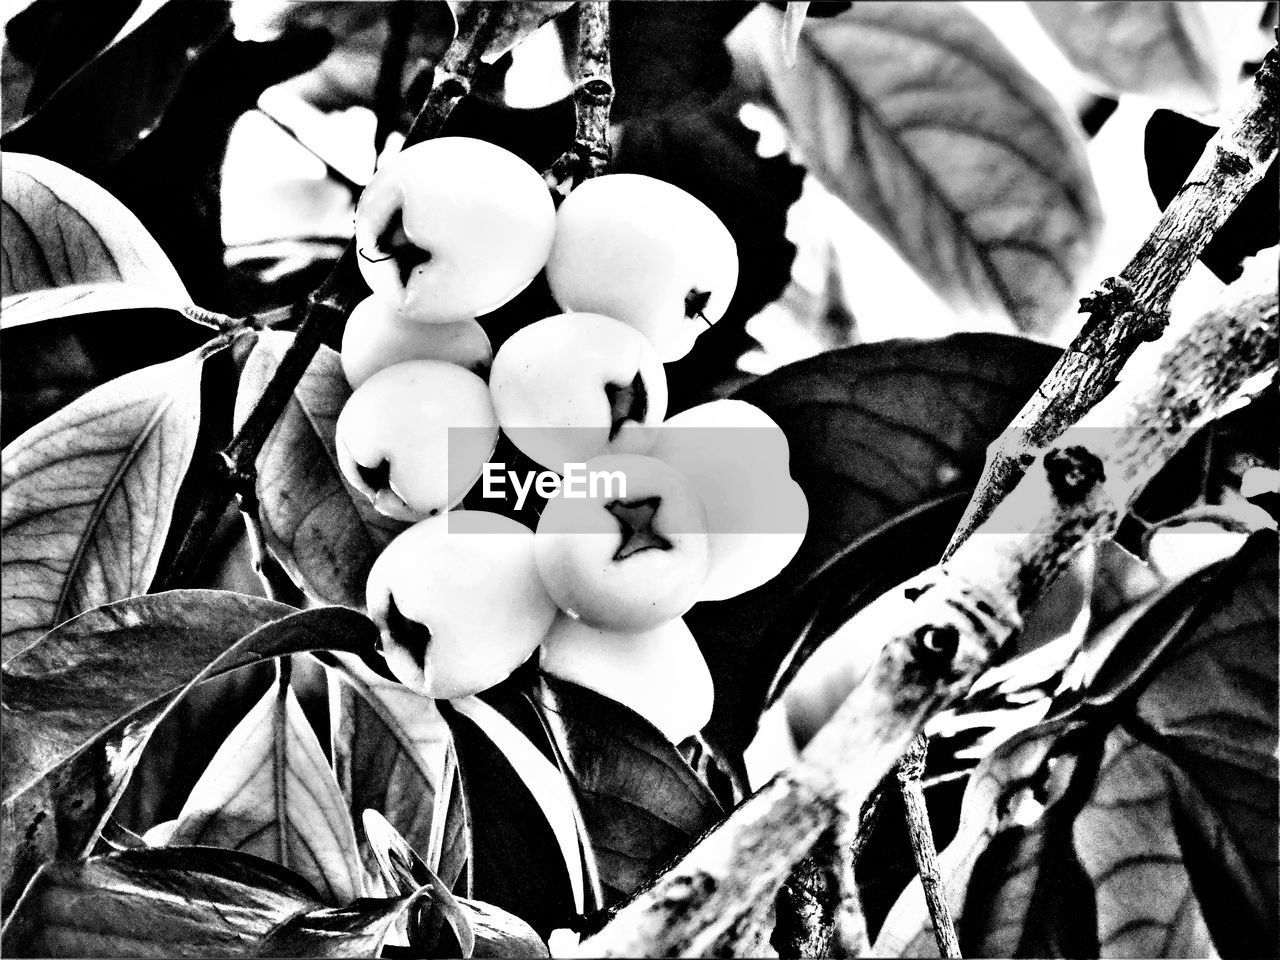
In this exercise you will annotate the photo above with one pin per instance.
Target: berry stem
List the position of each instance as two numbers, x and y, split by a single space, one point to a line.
592 101
233 470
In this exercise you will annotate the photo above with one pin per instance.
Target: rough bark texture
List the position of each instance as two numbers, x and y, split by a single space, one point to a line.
1133 308
943 627
910 772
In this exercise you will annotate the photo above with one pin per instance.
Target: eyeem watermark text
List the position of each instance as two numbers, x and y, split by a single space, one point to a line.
578 483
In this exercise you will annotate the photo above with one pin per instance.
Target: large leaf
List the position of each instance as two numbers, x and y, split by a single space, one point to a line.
641 802
122 667
60 228
1186 55
390 748
1157 796
517 809
325 533
189 902
875 431
120 96
89 494
918 118
270 791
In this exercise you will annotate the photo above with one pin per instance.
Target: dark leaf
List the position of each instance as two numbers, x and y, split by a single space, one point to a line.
917 117
668 57
325 532
1172 144
1172 52
120 668
641 802
188 902
270 791
62 229
513 796
874 431
712 155
120 96
89 494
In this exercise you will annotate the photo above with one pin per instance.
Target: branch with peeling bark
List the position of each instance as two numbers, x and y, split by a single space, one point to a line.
941 629
1133 308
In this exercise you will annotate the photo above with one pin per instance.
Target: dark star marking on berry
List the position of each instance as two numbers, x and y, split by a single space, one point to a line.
393 243
635 521
629 401
695 302
375 478
413 636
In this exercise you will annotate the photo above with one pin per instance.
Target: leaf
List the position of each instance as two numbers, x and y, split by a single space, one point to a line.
322 530
917 117
89 495
875 431
77 300
641 802
389 749
1172 144
269 791
1185 55
120 96
84 682
521 20
60 229
878 428
188 902
519 860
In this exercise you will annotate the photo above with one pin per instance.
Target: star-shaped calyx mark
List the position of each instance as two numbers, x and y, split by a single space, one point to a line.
695 302
393 243
414 637
375 478
635 522
627 401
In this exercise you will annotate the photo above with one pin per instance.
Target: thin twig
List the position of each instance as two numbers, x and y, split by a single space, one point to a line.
910 770
592 101
233 471
1133 308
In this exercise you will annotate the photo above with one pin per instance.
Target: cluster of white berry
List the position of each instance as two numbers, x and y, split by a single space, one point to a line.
699 507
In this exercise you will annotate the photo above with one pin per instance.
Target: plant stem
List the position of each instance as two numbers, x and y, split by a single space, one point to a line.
592 101
1133 308
910 770
941 629
233 470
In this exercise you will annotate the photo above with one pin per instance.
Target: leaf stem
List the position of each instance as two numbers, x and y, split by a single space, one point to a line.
233 470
